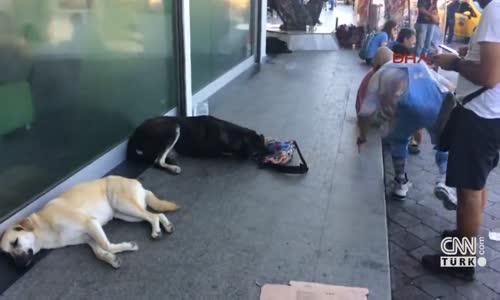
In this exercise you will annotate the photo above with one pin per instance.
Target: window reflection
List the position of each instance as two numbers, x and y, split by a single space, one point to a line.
75 78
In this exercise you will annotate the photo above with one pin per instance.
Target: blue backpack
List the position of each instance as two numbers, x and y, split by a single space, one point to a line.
364 45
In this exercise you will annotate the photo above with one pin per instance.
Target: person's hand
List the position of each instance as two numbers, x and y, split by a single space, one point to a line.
361 140
445 61
463 51
436 20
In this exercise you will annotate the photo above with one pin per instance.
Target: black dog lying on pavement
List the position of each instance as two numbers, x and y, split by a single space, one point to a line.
204 137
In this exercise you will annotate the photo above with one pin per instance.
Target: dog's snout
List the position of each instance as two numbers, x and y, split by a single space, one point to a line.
23 260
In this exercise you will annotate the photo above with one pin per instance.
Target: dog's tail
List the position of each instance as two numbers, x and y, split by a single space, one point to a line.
159 205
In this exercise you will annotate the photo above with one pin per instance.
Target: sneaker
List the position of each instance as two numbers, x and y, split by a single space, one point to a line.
401 187
446 194
433 264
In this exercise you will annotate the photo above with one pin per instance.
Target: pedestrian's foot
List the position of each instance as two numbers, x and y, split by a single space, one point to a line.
433 264
401 187
446 194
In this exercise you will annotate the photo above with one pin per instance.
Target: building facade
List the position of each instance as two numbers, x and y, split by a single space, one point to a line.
77 76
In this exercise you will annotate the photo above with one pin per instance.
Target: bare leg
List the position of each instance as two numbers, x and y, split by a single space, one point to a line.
483 200
469 211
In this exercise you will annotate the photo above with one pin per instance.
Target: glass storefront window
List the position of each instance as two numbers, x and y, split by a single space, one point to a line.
76 76
220 38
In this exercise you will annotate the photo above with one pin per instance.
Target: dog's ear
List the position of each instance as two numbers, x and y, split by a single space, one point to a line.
25 224
262 138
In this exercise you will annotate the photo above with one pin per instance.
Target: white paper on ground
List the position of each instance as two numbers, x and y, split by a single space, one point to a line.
297 290
494 236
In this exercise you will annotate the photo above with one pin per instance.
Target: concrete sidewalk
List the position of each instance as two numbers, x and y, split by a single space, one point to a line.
240 226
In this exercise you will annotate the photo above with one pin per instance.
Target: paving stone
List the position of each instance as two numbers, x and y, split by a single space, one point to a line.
394 228
410 292
434 243
406 240
449 215
492 244
495 265
490 278
433 204
491 254
420 211
436 287
407 265
493 210
489 204
434 218
404 219
395 250
491 222
423 232
438 223
398 279
477 291
494 196
393 209
421 251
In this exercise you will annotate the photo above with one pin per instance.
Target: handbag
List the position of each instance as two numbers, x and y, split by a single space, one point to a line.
446 122
280 154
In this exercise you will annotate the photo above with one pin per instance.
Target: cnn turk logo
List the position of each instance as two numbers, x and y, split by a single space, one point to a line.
462 252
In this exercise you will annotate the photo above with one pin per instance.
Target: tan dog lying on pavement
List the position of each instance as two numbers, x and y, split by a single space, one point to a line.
77 217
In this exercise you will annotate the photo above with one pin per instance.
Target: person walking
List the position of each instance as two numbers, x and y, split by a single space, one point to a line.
475 138
425 26
332 4
450 20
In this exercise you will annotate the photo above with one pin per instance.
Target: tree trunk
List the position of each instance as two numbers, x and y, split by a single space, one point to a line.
296 16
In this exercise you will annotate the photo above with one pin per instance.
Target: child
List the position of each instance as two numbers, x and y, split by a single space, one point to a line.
383 38
405 42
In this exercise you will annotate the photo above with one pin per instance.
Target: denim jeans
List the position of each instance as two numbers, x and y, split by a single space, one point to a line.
404 128
450 30
424 37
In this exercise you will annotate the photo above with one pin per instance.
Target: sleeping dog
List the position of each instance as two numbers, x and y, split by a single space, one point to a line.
204 137
77 216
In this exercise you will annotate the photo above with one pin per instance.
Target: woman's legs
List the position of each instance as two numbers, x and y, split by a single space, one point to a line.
399 139
416 140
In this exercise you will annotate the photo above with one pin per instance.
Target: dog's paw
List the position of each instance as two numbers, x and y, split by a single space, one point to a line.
156 235
176 170
116 262
134 246
169 228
